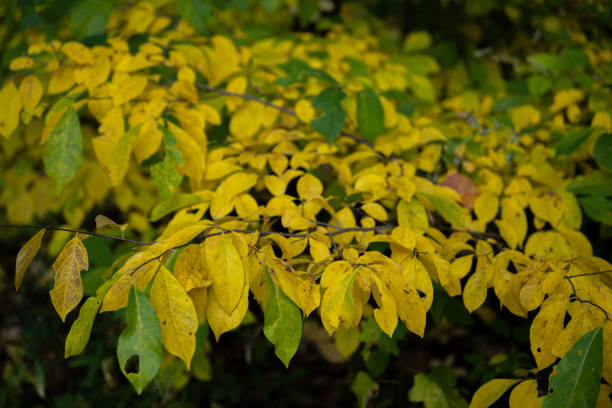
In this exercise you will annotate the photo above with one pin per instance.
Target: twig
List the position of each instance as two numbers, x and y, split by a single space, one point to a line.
579 299
92 234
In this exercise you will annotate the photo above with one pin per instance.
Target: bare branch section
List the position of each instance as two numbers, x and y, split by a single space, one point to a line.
91 234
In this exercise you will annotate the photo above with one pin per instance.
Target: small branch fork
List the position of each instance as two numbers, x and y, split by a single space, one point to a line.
581 300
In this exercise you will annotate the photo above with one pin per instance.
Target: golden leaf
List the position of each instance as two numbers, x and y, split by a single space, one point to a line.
68 289
226 269
176 314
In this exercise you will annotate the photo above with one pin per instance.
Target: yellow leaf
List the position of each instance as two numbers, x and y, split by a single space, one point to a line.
338 304
229 188
25 256
566 98
125 87
78 52
375 211
304 111
524 116
515 217
309 187
199 297
31 91
103 221
507 233
275 185
138 270
219 320
532 293
10 107
390 113
61 80
486 206
245 122
386 313
20 63
185 235
416 276
545 329
461 266
303 291
547 205
190 270
226 270
68 289
525 395
345 219
193 157
176 314
490 392
318 250
236 85
475 290
448 280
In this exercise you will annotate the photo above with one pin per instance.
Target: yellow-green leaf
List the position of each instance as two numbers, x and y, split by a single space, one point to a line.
10 106
78 336
25 256
64 150
282 321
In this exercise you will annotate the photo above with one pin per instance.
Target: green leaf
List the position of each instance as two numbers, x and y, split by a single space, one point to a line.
89 17
364 387
306 11
596 183
539 84
64 150
602 151
78 337
330 124
140 342
299 71
195 12
370 114
358 67
543 62
448 209
433 394
174 203
164 174
422 87
282 321
578 377
570 142
271 5
598 208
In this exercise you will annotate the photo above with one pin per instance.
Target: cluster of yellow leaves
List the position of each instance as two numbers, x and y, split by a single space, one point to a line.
277 194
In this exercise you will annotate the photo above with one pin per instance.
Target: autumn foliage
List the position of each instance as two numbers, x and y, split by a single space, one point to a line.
338 175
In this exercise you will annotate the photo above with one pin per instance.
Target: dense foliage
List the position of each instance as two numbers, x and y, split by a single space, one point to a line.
298 165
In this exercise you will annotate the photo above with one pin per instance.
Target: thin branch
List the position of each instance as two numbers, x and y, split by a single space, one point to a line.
92 234
587 274
579 299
